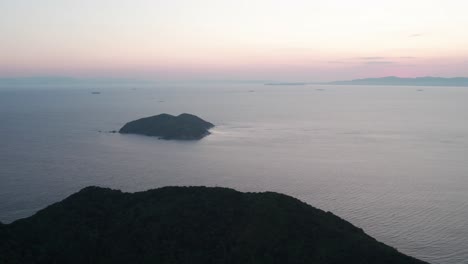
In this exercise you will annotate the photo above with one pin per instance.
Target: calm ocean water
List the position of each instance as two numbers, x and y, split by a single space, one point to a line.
391 160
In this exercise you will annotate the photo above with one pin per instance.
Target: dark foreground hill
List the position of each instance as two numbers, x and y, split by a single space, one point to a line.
188 225
165 126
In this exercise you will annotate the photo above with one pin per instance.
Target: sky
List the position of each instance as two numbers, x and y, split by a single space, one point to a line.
290 40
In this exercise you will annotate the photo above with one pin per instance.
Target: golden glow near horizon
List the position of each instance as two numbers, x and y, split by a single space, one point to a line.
217 39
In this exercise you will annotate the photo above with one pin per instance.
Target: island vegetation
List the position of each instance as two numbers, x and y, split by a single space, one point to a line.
165 126
188 225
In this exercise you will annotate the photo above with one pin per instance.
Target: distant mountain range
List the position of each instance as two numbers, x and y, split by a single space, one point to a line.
390 81
397 81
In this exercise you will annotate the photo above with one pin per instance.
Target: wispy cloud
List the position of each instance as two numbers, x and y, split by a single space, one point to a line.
407 57
379 62
371 58
416 35
337 62
374 60
365 60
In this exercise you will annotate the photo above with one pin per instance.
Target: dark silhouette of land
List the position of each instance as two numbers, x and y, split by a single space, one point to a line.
396 81
286 83
188 225
389 80
165 126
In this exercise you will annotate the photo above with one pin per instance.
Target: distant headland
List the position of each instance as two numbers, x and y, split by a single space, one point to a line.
390 81
397 81
165 126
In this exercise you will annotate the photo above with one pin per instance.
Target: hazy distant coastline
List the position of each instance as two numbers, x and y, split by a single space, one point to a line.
64 80
397 81
391 81
286 83
387 81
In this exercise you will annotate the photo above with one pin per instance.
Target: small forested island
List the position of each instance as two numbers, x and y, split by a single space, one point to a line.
165 126
188 225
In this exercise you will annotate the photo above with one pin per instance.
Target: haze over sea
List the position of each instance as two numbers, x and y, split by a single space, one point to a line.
391 160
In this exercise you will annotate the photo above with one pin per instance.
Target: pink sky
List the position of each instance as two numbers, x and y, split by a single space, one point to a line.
215 39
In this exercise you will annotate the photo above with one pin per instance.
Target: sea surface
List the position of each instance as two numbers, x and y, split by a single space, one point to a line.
391 160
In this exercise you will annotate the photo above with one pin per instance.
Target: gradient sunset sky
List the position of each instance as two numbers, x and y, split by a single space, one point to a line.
216 39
